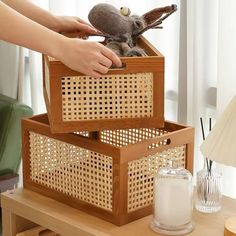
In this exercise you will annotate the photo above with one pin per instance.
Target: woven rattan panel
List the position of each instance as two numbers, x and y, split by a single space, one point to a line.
142 171
125 137
47 80
107 97
71 170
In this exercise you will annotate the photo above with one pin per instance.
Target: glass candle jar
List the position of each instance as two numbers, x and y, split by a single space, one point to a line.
173 201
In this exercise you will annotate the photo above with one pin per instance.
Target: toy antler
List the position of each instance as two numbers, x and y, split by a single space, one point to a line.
155 17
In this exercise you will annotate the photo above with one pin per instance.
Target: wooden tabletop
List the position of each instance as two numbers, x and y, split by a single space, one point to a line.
69 221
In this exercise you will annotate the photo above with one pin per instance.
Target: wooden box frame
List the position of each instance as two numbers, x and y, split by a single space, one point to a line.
54 71
177 135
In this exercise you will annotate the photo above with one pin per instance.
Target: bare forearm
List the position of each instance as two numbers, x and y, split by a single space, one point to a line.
35 13
17 29
28 30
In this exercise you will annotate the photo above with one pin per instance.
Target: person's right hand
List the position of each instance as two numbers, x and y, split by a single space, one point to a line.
89 58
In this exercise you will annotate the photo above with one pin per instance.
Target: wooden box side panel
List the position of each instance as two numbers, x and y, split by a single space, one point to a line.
51 91
76 176
140 184
116 96
89 180
142 156
79 102
110 102
141 174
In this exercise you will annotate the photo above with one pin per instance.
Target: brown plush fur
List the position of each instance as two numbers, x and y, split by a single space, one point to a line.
121 30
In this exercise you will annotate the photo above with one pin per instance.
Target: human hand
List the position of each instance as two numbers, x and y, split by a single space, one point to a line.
87 57
71 24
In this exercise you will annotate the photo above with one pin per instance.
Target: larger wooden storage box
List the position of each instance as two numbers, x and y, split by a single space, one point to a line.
108 174
132 96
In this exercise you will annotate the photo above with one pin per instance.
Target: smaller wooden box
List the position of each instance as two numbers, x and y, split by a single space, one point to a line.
127 97
109 173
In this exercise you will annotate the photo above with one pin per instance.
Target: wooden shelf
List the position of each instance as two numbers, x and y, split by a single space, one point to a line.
22 207
31 232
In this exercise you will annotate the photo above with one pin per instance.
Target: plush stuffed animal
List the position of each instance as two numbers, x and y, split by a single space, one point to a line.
122 29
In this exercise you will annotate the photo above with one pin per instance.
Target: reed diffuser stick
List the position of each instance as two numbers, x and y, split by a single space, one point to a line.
210 163
203 137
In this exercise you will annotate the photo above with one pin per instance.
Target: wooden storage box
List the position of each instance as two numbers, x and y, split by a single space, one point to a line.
109 173
128 97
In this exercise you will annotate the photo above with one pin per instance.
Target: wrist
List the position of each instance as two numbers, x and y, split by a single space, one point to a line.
58 46
56 24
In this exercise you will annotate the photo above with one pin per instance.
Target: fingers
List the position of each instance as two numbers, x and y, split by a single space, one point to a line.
105 61
86 28
82 21
90 26
101 68
111 55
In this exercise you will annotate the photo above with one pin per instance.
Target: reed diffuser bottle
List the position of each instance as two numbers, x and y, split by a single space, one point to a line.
209 184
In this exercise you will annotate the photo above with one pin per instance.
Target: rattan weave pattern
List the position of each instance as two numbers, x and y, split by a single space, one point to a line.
88 176
124 137
141 171
141 175
107 97
71 170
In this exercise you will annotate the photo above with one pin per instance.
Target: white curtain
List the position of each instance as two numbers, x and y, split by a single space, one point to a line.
201 66
9 69
226 83
211 82
21 76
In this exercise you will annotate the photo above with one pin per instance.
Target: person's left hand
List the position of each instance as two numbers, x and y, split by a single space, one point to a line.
72 24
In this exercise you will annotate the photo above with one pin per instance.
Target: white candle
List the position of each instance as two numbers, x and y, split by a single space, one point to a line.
172 201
